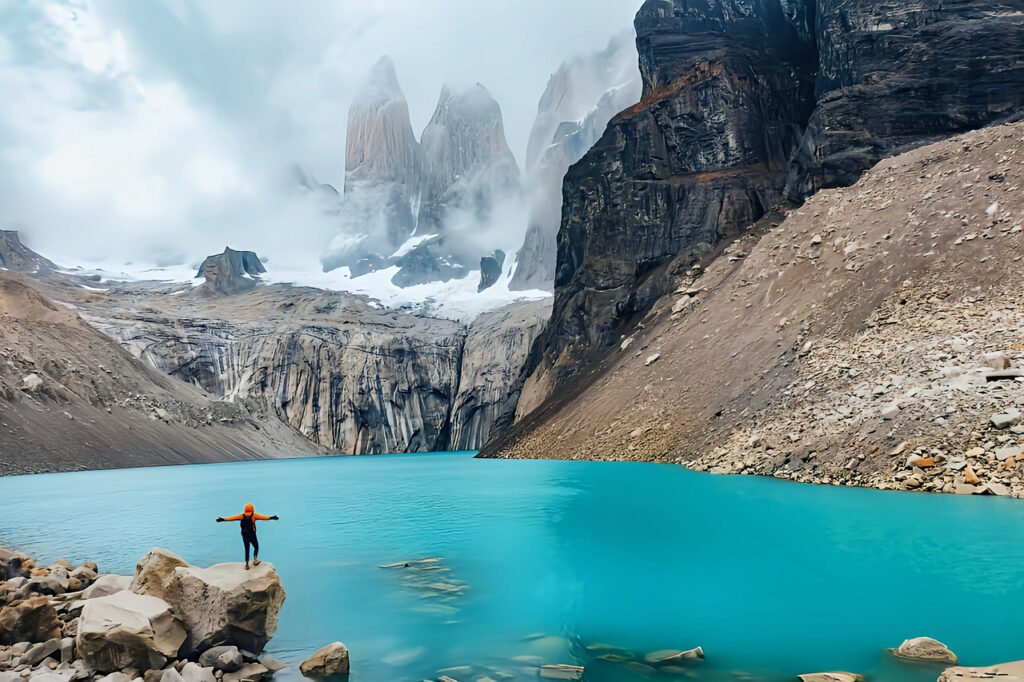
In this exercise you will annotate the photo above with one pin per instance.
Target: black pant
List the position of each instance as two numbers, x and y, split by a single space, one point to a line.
250 539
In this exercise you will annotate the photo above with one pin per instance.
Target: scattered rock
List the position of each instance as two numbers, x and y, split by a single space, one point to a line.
651 359
970 477
250 672
831 677
222 658
33 620
330 660
925 649
107 585
1005 420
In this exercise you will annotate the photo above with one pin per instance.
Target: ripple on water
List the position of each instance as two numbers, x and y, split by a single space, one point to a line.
552 562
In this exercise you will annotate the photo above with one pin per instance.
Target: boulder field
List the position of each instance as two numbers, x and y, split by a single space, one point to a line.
169 622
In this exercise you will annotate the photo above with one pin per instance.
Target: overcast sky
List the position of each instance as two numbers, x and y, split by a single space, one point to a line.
150 130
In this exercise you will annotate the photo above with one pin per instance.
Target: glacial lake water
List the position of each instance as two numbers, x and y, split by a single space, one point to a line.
772 579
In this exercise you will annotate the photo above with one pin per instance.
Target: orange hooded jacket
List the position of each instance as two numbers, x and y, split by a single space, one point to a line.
249 511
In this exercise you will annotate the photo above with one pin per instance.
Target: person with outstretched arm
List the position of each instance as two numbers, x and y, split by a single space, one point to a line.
248 520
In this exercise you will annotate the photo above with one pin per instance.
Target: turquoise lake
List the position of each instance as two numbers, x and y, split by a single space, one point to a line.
772 579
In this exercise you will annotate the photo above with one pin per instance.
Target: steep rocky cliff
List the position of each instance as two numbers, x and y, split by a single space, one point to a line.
16 257
872 337
382 162
747 103
579 100
495 351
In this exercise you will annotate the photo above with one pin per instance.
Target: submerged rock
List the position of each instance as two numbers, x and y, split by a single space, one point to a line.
128 630
925 649
674 656
330 660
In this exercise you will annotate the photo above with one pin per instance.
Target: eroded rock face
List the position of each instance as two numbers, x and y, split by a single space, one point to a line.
889 80
17 257
231 272
154 573
495 352
128 630
490 269
727 89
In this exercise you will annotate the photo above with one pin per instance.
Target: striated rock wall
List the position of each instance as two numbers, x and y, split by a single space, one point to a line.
495 352
894 74
346 376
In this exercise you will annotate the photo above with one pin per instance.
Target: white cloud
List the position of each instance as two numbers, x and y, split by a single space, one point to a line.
163 130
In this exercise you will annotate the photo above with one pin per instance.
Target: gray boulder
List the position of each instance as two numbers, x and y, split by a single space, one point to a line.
11 563
250 672
107 585
223 658
128 630
330 660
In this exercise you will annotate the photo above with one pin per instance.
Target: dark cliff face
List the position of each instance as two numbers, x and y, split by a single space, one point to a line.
727 90
17 257
891 79
748 104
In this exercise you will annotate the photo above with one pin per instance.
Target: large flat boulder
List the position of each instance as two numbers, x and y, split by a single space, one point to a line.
226 604
32 620
107 585
1004 672
128 630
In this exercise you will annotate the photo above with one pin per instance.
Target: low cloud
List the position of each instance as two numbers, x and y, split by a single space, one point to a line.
163 131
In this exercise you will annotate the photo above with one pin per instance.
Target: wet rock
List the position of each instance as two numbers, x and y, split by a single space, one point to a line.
561 671
332 659
1004 672
128 629
33 620
674 656
925 649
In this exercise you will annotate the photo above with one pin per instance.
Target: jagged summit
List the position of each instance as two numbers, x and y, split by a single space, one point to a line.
231 271
17 257
380 143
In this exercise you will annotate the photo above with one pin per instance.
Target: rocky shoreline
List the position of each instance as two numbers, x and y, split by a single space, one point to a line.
175 622
169 622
